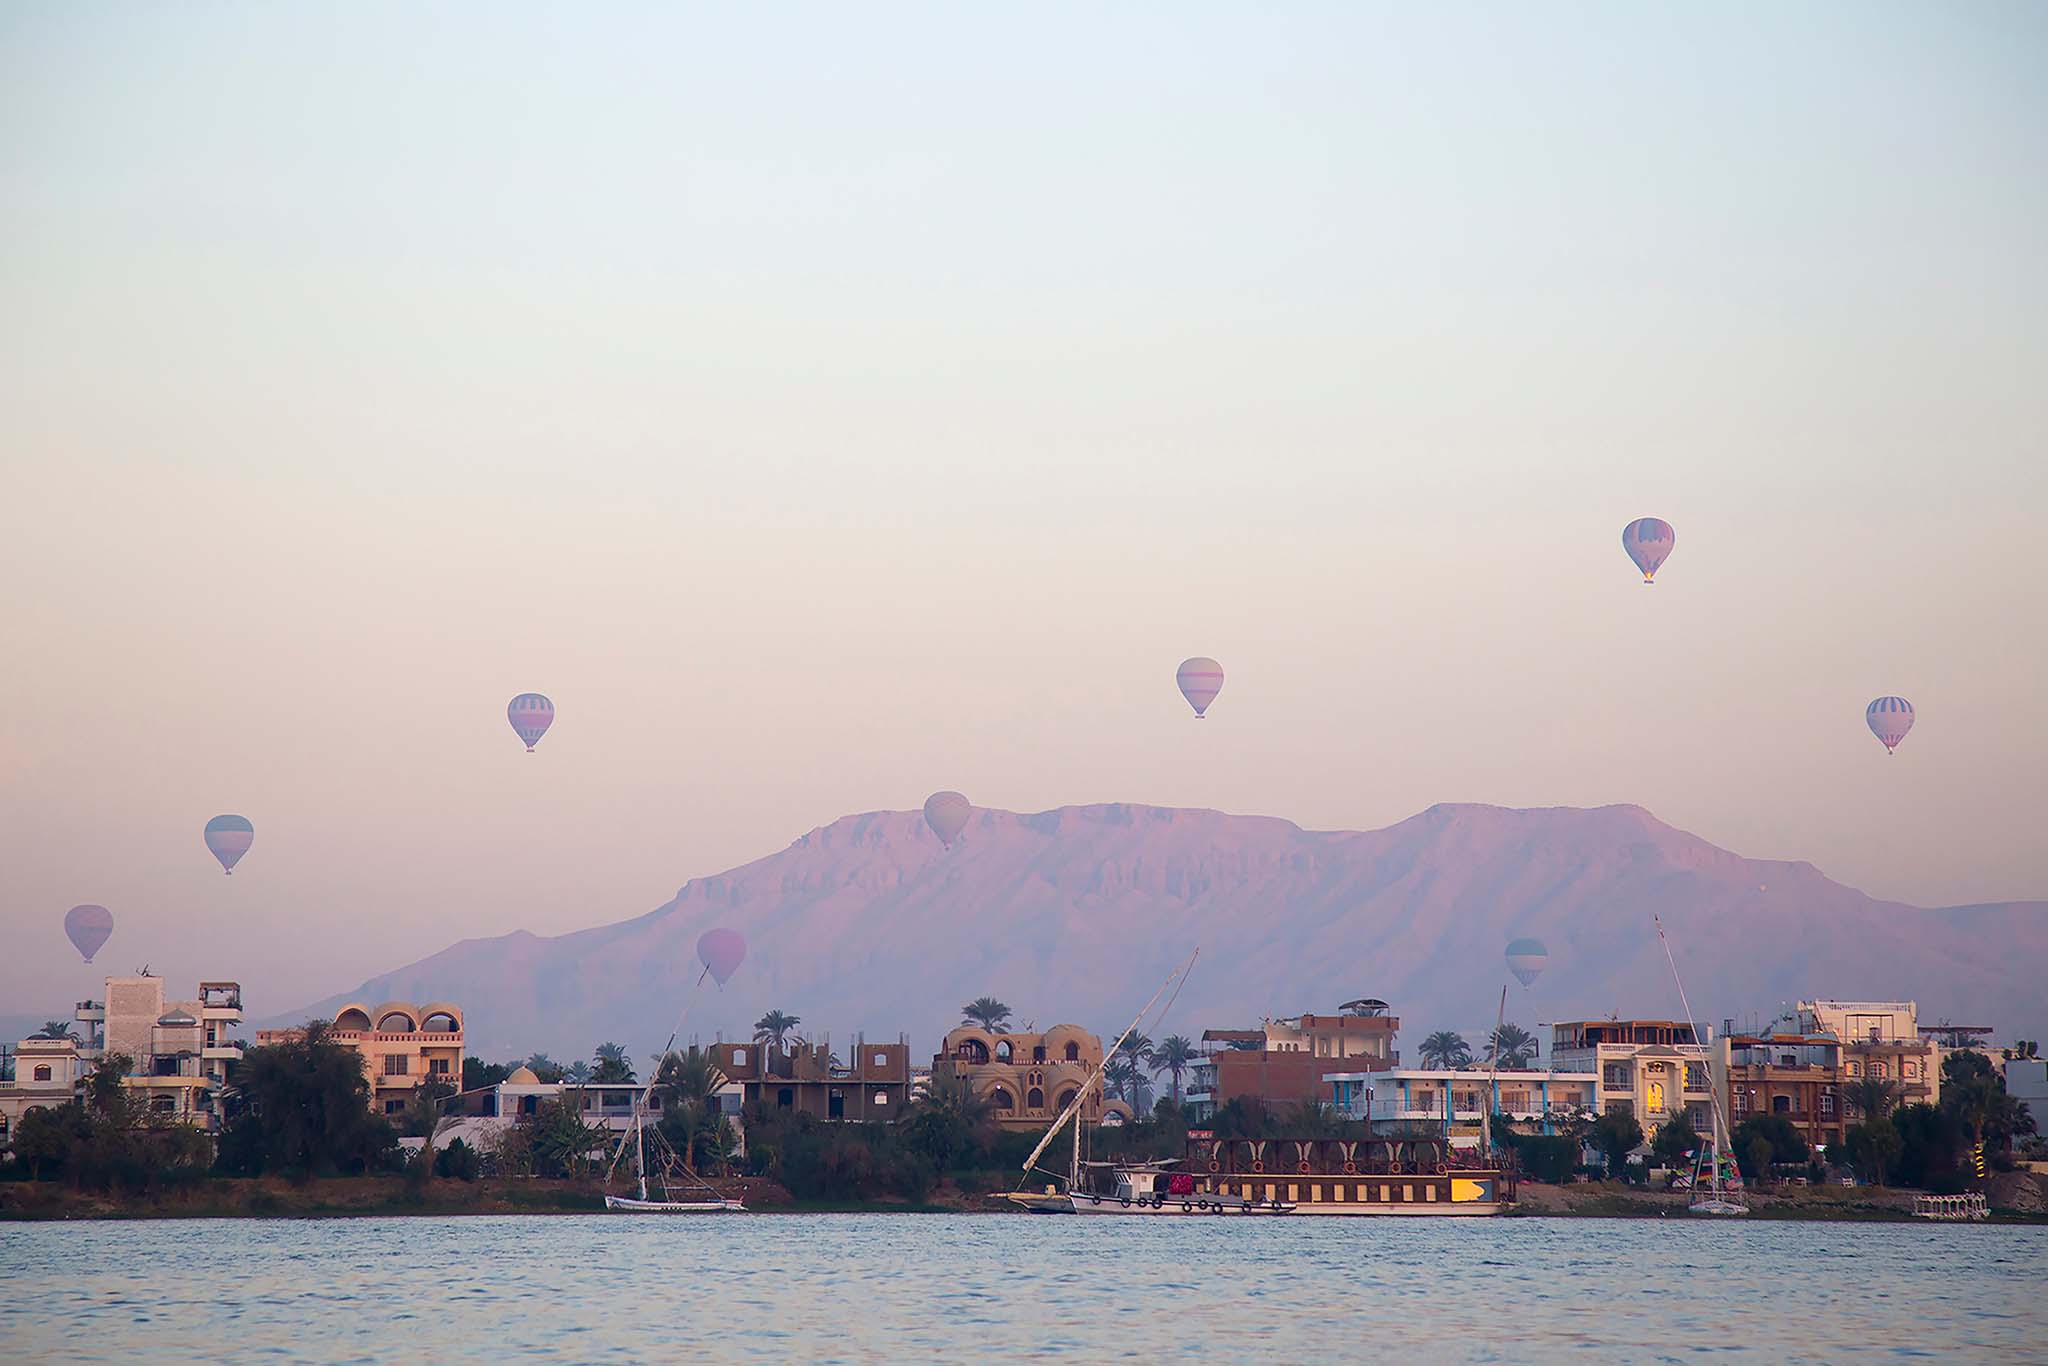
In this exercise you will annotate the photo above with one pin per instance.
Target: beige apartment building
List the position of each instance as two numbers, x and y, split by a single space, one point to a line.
181 1053
1651 1069
403 1046
1881 1040
45 1078
1027 1079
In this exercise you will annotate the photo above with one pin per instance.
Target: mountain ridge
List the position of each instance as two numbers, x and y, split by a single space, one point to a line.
868 923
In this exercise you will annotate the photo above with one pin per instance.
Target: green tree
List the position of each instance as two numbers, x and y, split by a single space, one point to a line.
946 1122
302 1108
612 1065
1616 1134
1871 1097
458 1161
1763 1142
987 1012
774 1028
577 1073
56 1029
688 1078
1515 1045
1973 1094
1874 1147
554 1141
1674 1139
544 1068
424 1111
1445 1050
1174 1055
45 1137
478 1074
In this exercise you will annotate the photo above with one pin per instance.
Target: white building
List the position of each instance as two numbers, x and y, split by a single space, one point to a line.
45 1078
180 1052
1881 1040
1425 1095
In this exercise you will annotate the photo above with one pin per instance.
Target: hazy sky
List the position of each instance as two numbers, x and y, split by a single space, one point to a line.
830 404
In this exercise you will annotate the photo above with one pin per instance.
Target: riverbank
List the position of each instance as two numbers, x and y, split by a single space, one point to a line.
386 1196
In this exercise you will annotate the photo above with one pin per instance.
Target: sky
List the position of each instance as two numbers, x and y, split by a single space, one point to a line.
830 404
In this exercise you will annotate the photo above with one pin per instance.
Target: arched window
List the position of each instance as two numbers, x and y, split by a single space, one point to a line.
1034 1099
43 1072
1001 1099
1003 1051
1067 1097
1073 1051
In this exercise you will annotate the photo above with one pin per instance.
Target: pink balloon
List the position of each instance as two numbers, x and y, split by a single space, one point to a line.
721 951
88 928
530 714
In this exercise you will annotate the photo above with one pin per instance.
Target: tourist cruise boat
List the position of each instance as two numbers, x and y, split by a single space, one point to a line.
1402 1176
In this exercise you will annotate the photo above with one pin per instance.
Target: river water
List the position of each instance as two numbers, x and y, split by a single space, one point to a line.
925 1287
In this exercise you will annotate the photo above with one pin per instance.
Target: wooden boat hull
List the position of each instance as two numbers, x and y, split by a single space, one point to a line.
620 1204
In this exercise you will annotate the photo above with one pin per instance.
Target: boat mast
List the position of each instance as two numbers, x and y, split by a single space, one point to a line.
640 1153
1073 1109
1492 1085
1713 1092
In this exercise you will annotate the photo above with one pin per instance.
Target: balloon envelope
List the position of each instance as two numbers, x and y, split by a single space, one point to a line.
88 928
721 951
229 837
946 813
1648 540
530 715
1200 679
1889 718
1526 958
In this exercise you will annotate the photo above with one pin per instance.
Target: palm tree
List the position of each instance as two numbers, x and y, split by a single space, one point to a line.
1174 1055
1121 1080
1515 1045
544 1067
987 1012
1871 1097
56 1029
1445 1050
612 1064
774 1028
689 1078
576 1073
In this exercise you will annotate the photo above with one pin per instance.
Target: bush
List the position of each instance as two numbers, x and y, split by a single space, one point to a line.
458 1161
1548 1158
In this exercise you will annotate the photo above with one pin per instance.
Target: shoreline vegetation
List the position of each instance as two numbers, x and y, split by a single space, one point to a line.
391 1196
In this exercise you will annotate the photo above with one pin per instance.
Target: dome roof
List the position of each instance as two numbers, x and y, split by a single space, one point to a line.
522 1076
176 1017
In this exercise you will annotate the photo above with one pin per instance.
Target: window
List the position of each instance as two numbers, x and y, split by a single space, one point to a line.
785 1098
395 1064
1827 1102
1781 1105
1696 1077
1909 1069
163 1105
437 1067
1073 1052
882 1059
1854 1069
394 1107
1034 1099
835 1105
43 1072
1003 1051
881 1097
739 1057
1037 1055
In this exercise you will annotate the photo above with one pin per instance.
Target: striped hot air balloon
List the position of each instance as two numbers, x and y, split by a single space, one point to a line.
1648 541
1889 718
946 813
530 715
1526 959
88 928
1200 679
229 837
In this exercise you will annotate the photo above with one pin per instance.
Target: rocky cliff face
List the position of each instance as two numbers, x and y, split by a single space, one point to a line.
868 924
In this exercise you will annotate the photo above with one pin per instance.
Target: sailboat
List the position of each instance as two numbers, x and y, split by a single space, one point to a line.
1722 1191
670 1171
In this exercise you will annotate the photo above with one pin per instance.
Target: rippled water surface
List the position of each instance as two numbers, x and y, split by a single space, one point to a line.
940 1287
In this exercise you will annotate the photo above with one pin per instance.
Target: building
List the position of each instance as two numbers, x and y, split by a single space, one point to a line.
1797 1076
1881 1040
402 1046
1027 1079
872 1084
1649 1069
180 1053
45 1078
1283 1062
1419 1095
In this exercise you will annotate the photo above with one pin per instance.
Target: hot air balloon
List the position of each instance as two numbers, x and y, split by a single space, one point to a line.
1526 958
88 928
1648 540
1889 718
1200 679
946 813
530 715
721 951
229 837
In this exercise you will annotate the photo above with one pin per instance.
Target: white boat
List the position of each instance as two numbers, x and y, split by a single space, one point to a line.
1149 1189
627 1205
1713 1191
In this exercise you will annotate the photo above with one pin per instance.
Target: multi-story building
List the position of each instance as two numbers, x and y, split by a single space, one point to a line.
1651 1069
1423 1095
1797 1076
872 1084
1881 1040
1283 1062
1027 1079
403 1047
45 1078
180 1053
